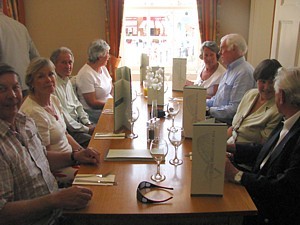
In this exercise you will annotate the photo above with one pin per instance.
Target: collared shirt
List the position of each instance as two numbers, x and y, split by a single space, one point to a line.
236 81
287 125
74 114
14 37
24 169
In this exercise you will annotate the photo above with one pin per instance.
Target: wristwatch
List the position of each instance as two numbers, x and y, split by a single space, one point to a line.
238 177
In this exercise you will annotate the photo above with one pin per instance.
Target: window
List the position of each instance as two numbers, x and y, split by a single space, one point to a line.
163 30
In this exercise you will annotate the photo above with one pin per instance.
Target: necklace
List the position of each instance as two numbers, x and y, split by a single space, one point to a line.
51 110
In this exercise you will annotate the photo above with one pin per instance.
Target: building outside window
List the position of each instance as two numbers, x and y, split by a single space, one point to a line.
163 30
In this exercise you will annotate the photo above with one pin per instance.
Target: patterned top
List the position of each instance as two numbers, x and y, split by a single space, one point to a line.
24 168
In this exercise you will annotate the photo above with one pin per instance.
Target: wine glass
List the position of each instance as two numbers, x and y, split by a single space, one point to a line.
132 113
173 108
176 137
133 95
158 150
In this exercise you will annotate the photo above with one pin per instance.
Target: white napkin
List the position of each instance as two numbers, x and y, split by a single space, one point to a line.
92 179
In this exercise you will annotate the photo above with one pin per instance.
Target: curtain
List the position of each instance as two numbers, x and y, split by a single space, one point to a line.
209 22
14 9
113 27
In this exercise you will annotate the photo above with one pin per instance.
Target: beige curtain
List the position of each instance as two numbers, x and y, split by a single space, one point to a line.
14 9
209 22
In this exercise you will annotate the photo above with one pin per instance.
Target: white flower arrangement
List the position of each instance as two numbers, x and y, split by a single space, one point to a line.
155 80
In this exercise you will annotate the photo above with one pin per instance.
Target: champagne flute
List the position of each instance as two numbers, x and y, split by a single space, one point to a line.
133 95
158 150
132 113
176 137
173 109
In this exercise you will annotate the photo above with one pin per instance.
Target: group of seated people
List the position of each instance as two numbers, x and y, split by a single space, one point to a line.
253 103
47 132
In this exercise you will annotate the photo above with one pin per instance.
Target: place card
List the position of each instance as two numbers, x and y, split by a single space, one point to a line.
178 74
109 136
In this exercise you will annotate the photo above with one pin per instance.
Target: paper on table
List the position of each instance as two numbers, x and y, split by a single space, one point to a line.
84 179
109 136
128 155
108 111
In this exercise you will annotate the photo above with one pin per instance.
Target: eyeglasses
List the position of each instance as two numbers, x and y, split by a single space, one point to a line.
144 199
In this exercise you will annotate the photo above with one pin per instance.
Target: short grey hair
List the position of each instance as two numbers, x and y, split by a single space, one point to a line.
288 80
235 40
55 54
35 65
98 48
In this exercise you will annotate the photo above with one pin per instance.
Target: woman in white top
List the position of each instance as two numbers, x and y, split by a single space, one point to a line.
46 111
212 70
93 81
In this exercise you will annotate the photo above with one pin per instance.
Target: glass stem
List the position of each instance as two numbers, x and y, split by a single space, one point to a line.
176 159
158 168
131 127
173 118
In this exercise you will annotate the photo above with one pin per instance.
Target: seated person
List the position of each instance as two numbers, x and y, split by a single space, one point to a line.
257 114
29 193
212 71
236 81
274 181
46 111
93 82
77 120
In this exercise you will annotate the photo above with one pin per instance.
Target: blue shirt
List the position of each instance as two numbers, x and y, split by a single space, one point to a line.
236 81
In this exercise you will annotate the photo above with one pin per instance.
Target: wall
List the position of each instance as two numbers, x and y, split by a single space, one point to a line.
70 23
75 23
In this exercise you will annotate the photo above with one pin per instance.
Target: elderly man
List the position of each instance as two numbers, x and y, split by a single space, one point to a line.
236 81
77 120
28 190
274 182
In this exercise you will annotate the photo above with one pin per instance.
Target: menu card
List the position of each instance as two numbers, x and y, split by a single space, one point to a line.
208 164
179 74
143 67
194 107
122 97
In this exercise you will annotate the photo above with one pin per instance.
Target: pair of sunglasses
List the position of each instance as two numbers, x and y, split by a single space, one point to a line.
144 199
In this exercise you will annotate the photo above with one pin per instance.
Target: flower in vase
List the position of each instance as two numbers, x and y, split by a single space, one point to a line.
155 80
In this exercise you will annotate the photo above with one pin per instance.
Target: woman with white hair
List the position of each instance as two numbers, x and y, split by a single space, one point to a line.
93 81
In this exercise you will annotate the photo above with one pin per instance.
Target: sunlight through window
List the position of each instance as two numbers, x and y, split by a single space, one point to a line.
163 30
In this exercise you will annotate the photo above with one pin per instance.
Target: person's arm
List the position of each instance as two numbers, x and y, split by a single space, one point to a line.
92 101
58 160
29 211
235 92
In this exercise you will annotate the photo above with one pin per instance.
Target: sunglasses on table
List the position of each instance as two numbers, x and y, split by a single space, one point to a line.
144 199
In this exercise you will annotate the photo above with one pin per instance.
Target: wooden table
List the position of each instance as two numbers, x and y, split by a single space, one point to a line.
118 204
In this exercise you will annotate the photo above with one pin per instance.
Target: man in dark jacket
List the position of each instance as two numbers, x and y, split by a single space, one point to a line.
274 182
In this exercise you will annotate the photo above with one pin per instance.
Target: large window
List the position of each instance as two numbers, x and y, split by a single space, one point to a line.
162 29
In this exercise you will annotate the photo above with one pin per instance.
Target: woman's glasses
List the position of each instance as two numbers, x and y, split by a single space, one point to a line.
144 199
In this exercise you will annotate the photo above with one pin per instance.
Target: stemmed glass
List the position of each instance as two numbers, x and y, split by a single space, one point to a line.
158 150
133 95
173 109
176 137
132 113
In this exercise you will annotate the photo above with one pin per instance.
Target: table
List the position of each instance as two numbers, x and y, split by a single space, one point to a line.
118 204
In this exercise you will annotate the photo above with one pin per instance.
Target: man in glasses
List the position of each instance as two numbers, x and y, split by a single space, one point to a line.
236 81
28 190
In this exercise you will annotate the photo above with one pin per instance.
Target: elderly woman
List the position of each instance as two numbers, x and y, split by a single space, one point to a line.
93 81
46 111
212 70
257 114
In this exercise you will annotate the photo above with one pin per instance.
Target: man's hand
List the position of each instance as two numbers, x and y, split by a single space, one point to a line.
230 170
88 155
71 198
